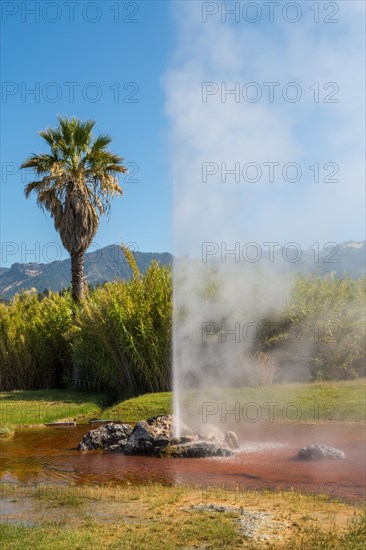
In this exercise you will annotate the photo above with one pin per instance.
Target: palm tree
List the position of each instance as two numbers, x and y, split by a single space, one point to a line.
77 179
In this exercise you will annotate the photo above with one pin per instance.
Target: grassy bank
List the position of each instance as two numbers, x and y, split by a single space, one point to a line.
315 402
155 516
22 408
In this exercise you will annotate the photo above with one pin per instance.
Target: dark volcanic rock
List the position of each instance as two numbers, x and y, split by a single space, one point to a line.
198 449
320 452
111 437
148 438
141 440
155 437
161 441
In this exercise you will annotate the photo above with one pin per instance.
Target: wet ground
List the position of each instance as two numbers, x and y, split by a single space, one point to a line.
266 460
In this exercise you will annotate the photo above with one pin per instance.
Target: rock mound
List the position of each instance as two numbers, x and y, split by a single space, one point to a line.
155 437
320 452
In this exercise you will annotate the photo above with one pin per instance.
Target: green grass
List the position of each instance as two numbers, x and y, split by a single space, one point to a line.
220 534
140 408
316 539
154 516
317 402
19 408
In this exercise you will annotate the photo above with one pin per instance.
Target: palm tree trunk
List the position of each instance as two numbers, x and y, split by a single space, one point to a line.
77 275
77 284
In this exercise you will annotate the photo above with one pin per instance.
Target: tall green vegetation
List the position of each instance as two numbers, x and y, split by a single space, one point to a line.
121 337
321 333
34 352
77 178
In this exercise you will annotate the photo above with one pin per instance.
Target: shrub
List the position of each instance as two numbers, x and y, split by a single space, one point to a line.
34 352
320 334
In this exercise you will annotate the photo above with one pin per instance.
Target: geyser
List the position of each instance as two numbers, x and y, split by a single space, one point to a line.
255 174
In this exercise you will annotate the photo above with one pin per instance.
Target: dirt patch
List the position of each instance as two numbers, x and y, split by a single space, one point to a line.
253 524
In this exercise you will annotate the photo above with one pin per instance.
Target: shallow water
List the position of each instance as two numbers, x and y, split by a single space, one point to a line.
266 460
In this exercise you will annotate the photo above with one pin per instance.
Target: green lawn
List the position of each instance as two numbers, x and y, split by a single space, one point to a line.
313 402
21 408
316 402
141 408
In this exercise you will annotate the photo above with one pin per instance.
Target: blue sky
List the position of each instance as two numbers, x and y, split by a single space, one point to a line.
157 54
102 57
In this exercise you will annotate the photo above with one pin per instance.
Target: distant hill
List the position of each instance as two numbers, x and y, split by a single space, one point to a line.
109 263
347 258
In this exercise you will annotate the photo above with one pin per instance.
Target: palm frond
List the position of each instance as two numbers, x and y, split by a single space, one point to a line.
42 164
101 142
32 186
82 133
51 135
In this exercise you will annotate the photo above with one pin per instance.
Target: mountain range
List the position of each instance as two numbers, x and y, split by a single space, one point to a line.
109 263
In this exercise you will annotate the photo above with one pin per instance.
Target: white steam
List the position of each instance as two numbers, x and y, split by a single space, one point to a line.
209 136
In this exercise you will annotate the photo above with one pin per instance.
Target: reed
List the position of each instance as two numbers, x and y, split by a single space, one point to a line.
320 333
121 336
34 352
